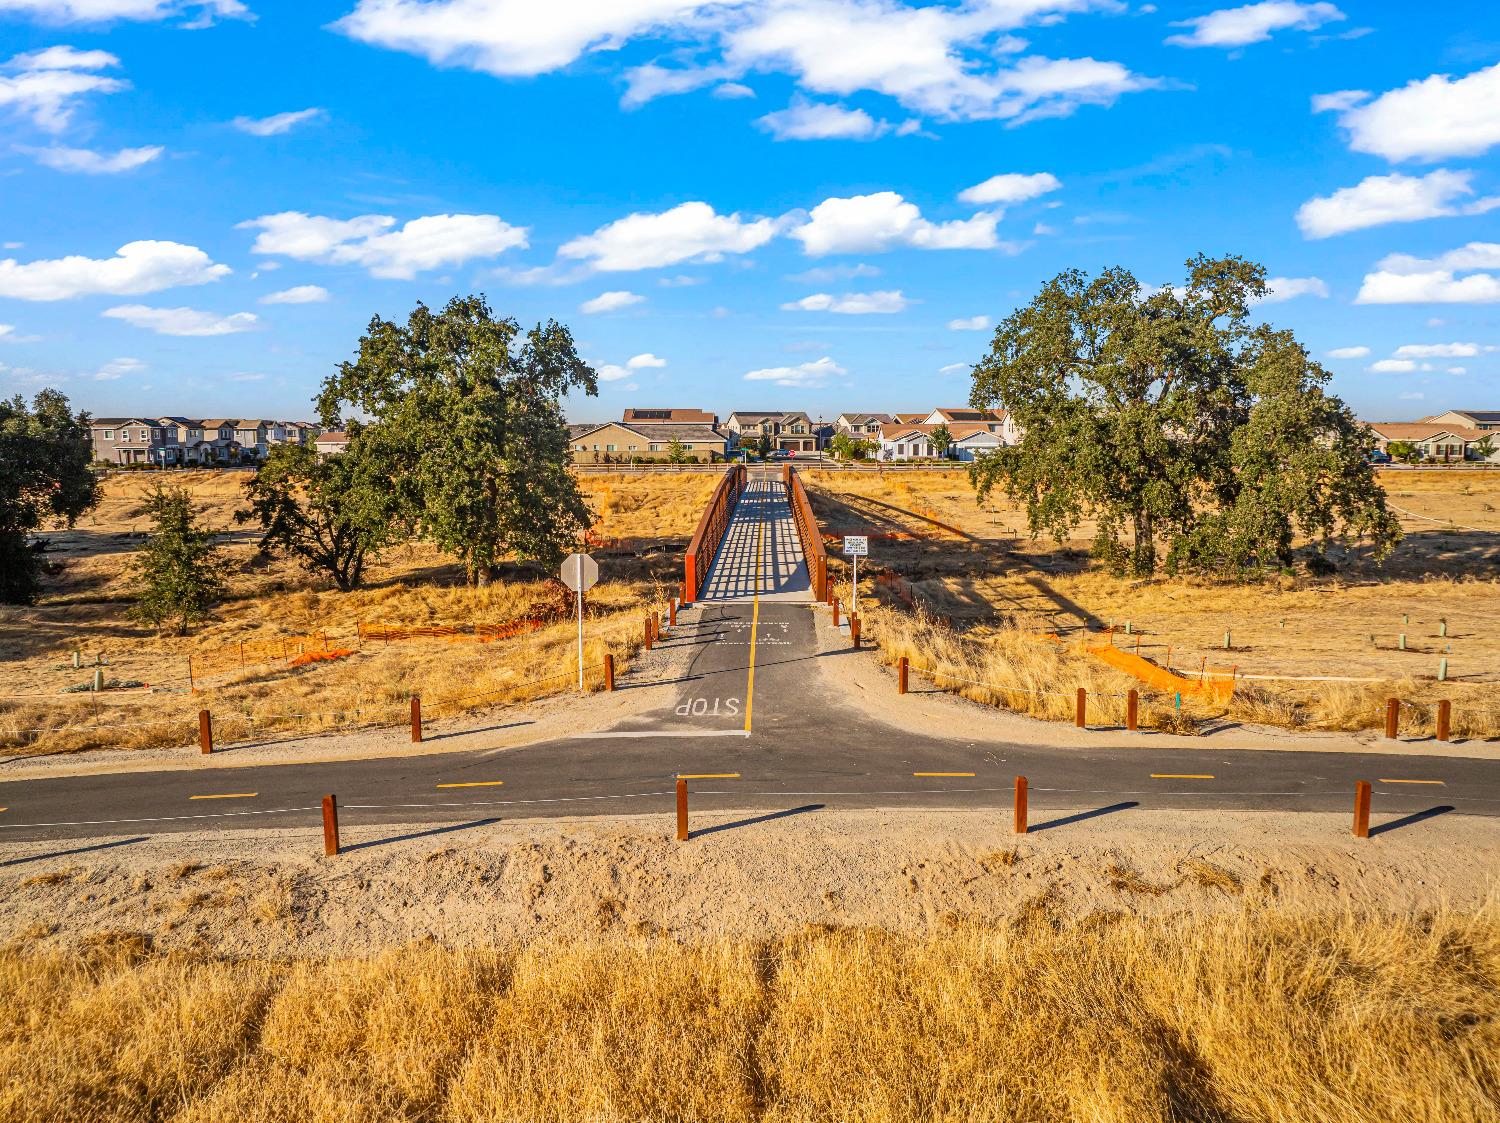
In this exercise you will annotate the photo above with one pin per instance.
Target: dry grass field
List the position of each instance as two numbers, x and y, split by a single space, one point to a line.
643 523
974 569
1259 1016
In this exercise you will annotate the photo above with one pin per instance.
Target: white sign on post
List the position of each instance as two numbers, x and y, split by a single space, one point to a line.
856 546
579 573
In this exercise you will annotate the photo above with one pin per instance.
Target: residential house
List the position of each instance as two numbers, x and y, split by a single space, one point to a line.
865 426
747 428
219 445
253 437
618 443
679 416
905 441
996 420
796 433
908 418
134 440
966 440
1444 443
1486 420
331 443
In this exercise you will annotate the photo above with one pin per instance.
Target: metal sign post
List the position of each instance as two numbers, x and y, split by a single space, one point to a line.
579 573
856 546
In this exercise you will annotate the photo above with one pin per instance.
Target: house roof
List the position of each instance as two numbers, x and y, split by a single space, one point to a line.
680 416
1421 431
114 422
963 413
896 431
908 418
217 422
662 431
336 437
864 418
1479 416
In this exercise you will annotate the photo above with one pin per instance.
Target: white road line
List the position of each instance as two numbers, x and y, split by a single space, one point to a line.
663 733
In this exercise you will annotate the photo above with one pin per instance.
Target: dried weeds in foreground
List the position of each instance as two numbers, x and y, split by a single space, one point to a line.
1251 1017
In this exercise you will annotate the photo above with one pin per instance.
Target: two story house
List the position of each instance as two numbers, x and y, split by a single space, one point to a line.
134 440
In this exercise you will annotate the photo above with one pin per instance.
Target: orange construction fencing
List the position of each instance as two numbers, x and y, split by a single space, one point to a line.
1213 683
250 653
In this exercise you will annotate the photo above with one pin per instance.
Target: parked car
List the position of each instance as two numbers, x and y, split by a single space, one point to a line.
1379 457
780 454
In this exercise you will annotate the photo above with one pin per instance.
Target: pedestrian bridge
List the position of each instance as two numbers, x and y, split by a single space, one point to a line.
757 538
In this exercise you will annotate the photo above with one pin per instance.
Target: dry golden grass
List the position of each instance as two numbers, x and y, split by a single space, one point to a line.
969 565
1253 1016
84 602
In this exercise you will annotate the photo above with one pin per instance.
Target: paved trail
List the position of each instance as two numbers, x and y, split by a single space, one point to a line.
755 725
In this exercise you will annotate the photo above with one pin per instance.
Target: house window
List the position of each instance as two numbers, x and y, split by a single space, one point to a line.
109 434
656 448
631 448
596 448
610 448
687 446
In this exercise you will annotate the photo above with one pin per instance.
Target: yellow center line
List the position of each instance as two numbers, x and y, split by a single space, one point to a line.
475 784
227 795
708 775
1439 783
760 541
942 773
1181 776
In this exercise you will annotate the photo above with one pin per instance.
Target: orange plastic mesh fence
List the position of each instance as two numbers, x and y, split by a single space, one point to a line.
251 653
1213 683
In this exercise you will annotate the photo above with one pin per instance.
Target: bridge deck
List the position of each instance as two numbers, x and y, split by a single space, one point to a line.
761 553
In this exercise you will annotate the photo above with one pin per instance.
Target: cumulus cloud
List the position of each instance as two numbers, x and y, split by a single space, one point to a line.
611 301
1349 353
804 375
1011 187
137 267
274 125
850 303
182 321
1280 289
1381 199
884 221
297 294
88 162
729 91
641 362
972 323
1338 101
118 368
807 120
1253 23
374 243
101 11
1439 350
822 274
611 372
953 368
1429 119
47 86
1401 279
1393 366
687 232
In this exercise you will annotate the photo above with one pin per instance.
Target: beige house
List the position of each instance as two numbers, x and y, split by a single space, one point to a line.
619 443
1486 420
1446 444
331 443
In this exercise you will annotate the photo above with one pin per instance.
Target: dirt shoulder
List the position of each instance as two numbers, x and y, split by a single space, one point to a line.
499 881
860 678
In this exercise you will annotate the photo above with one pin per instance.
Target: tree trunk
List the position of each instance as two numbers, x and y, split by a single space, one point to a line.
1143 557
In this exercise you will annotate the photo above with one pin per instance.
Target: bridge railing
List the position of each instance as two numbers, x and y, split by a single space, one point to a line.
808 532
710 533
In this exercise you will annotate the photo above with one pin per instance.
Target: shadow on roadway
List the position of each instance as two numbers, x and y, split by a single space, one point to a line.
1068 820
75 850
467 732
757 819
1410 820
422 834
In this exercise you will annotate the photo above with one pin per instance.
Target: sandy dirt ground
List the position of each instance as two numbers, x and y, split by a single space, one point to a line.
501 880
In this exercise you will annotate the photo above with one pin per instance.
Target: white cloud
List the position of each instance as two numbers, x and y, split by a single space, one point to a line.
89 162
274 125
1380 199
1253 23
1412 396
137 267
822 274
369 241
1430 119
101 11
182 321
803 375
953 368
1439 351
641 362
1338 101
297 294
850 303
1288 288
1458 370
1012 187
1401 279
1349 353
973 323
884 221
687 232
118 368
729 91
48 85
611 301
610 372
1393 366
808 120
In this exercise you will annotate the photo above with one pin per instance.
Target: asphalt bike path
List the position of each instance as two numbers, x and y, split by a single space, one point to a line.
755 728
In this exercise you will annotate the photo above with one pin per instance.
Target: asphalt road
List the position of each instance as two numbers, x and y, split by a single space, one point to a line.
756 729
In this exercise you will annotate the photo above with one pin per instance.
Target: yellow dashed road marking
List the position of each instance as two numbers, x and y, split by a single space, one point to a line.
1181 776
942 773
1439 783
227 795
708 775
475 784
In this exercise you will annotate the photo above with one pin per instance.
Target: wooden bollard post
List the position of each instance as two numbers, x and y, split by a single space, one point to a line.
1020 805
1362 809
1080 714
647 627
901 670
205 732
1392 717
672 613
330 826
682 818
1132 711
854 629
609 671
1444 719
835 612
656 626
416 719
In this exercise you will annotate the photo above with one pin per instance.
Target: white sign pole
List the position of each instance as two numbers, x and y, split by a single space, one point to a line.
855 610
580 623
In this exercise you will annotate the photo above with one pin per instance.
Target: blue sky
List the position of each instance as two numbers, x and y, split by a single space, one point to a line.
760 204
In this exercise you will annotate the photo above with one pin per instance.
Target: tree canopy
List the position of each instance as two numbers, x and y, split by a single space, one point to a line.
470 410
44 479
178 567
1197 440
